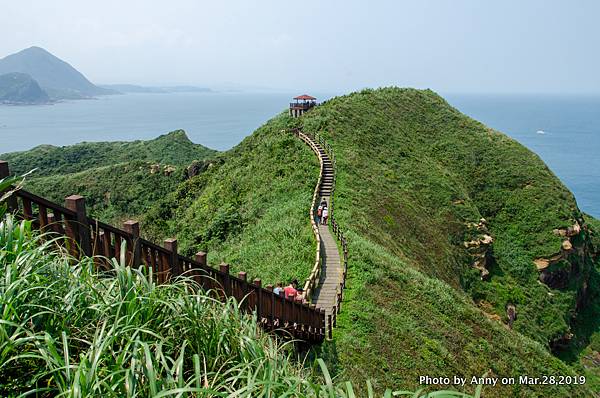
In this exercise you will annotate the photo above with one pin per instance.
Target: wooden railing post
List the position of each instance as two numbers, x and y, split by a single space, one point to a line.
329 327
11 202
76 203
171 246
133 227
224 268
200 258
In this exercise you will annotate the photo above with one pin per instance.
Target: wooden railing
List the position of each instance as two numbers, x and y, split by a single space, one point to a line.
302 105
337 231
85 236
315 274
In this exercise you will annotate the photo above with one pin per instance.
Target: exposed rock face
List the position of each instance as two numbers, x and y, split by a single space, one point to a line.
196 168
168 170
558 269
573 230
480 247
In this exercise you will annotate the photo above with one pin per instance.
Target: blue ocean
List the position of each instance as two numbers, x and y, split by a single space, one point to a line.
563 130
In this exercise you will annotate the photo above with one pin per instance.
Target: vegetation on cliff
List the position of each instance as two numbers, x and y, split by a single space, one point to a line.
250 208
173 148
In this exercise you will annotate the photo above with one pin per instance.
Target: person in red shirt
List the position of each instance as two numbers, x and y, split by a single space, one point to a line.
290 290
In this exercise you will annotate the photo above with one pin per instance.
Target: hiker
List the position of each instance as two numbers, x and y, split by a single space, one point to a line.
278 288
290 290
319 212
325 215
300 295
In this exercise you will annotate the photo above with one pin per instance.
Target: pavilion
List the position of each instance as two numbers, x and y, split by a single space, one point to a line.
302 104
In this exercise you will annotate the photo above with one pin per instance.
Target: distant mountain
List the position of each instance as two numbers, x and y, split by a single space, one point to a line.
187 89
132 88
59 79
20 88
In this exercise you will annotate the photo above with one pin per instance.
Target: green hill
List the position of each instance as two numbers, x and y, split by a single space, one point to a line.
173 148
415 179
118 179
20 88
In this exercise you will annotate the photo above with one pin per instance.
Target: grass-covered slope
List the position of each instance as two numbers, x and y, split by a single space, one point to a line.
112 193
414 176
173 148
249 208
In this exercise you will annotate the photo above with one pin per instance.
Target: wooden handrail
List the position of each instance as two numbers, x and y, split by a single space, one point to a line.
315 273
104 241
334 224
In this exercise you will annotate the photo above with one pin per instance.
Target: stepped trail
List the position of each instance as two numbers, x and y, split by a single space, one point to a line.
327 290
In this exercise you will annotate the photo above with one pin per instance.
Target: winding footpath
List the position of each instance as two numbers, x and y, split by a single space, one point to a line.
325 294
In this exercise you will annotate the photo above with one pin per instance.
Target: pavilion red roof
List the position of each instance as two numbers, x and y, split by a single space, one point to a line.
305 97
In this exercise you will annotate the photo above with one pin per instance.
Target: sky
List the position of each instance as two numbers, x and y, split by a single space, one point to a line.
449 46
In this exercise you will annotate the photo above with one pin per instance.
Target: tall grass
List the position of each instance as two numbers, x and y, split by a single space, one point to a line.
68 331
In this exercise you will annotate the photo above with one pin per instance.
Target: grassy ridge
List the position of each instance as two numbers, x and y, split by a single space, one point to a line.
119 180
172 148
414 172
